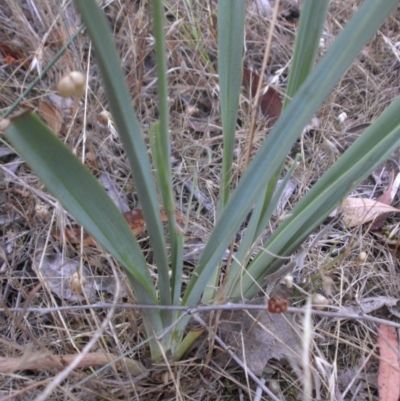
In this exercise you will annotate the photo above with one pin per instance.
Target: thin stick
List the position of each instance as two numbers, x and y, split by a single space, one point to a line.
207 308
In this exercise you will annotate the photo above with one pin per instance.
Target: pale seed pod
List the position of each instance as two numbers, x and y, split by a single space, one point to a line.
342 117
42 211
104 117
4 123
274 386
72 84
77 283
288 281
362 256
319 301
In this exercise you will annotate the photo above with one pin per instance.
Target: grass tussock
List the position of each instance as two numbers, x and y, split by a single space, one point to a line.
343 352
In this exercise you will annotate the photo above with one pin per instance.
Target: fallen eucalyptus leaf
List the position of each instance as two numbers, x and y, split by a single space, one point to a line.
386 198
57 271
372 304
52 115
357 211
257 337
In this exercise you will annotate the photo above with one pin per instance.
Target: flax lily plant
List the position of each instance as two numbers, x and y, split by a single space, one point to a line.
309 85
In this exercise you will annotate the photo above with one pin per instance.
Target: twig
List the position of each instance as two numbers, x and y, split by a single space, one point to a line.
206 308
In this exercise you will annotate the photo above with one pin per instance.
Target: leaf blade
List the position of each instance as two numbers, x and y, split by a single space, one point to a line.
130 133
308 36
366 153
80 193
230 52
288 128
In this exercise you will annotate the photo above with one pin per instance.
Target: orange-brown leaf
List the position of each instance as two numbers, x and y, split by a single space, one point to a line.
136 222
7 52
271 105
389 368
134 218
270 101
250 82
52 115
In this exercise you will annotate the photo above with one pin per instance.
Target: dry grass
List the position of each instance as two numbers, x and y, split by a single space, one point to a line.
341 349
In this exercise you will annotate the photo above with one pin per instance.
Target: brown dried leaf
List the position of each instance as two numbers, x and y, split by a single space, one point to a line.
52 115
270 101
10 55
256 337
357 211
271 105
136 222
198 125
72 235
387 199
57 272
250 82
389 368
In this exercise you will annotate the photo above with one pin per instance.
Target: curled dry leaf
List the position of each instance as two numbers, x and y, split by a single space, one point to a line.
290 187
389 368
10 56
386 198
52 115
270 101
134 218
371 304
60 277
357 211
257 337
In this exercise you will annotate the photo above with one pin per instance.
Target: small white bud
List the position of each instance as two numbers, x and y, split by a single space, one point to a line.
319 301
362 256
42 211
72 84
327 283
342 117
192 110
77 283
288 281
104 117
4 123
274 386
